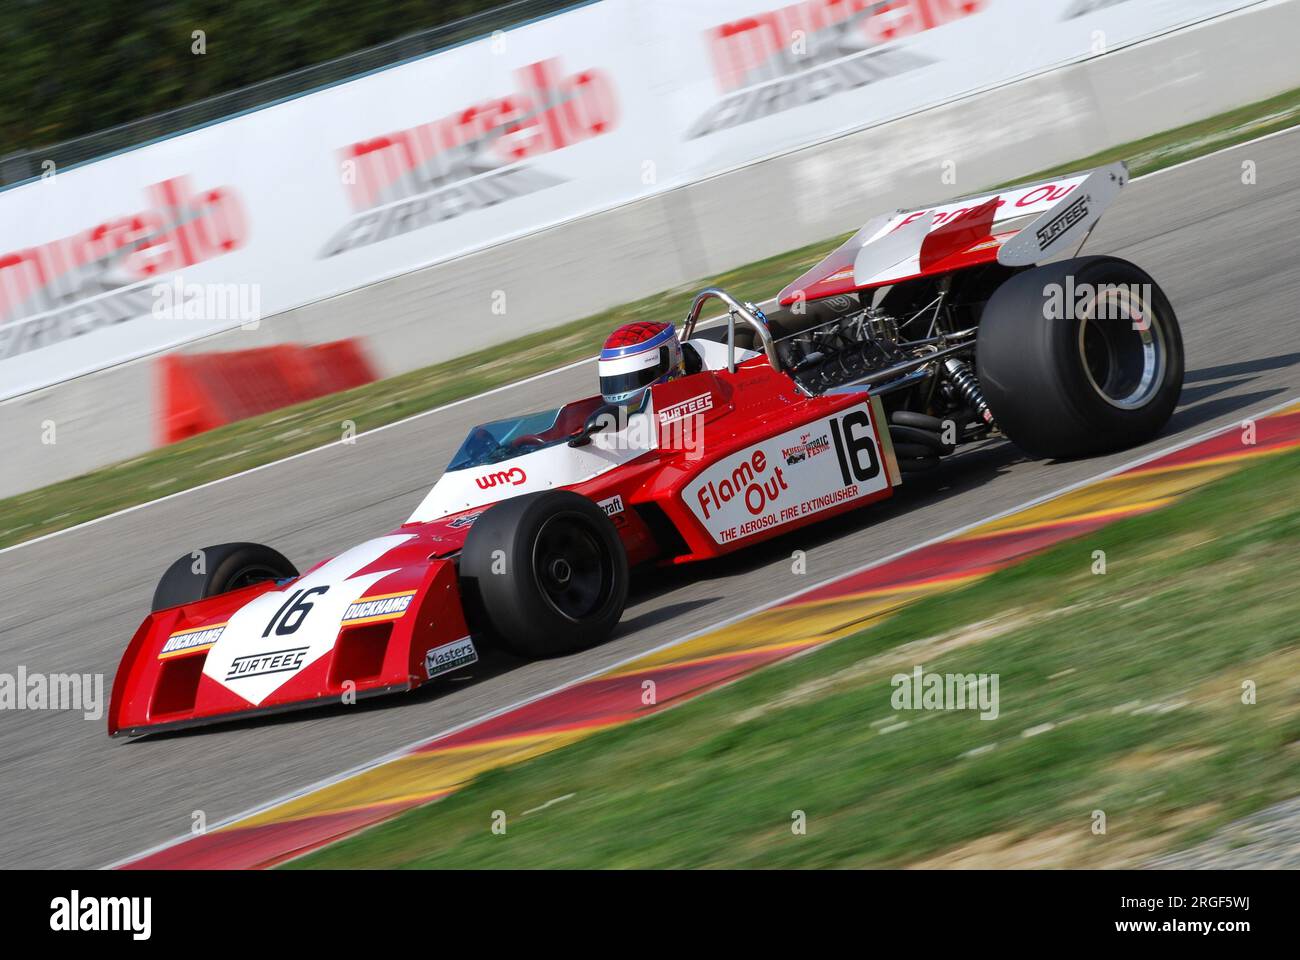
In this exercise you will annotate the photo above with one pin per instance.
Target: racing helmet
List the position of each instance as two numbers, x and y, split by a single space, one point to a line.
635 357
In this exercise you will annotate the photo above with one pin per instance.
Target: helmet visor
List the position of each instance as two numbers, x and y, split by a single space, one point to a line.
618 384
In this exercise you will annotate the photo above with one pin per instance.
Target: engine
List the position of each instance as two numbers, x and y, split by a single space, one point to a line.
920 365
843 349
912 345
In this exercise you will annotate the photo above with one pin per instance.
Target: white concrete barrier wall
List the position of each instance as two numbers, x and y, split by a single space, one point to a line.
605 105
677 236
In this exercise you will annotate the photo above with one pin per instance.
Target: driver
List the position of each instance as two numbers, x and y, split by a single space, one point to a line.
635 357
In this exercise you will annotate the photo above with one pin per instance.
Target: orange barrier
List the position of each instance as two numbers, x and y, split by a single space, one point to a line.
200 391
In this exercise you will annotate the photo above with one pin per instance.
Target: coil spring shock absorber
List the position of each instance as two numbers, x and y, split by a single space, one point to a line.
968 388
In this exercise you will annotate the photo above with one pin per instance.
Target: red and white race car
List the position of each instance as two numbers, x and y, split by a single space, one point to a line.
926 330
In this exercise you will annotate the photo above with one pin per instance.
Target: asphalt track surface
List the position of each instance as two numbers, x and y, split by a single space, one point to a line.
71 797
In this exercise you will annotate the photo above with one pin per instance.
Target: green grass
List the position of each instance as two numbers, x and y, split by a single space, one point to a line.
281 433
1139 669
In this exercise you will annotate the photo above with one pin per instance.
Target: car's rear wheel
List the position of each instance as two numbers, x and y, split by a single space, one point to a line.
219 569
544 574
1080 357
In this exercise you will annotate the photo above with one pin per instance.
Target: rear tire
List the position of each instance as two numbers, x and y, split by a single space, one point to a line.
544 573
225 567
1063 383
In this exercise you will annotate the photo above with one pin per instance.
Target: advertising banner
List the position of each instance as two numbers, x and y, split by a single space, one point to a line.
430 160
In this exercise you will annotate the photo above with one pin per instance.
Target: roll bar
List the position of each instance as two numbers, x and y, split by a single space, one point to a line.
734 308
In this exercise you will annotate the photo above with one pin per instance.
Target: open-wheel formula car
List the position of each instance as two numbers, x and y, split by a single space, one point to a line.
926 330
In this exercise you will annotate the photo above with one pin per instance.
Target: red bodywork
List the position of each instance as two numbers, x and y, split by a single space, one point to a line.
388 615
161 681
966 240
154 689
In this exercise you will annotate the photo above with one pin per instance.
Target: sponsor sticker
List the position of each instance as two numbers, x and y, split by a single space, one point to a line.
194 640
514 477
261 664
451 656
613 507
809 446
389 606
1055 228
686 408
751 491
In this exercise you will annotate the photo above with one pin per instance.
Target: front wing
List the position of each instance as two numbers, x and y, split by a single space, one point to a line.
334 635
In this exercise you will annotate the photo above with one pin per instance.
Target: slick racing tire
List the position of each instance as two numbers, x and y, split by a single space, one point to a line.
1080 357
223 568
544 573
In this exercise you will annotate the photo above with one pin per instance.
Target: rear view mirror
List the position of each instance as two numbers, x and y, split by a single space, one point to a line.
602 418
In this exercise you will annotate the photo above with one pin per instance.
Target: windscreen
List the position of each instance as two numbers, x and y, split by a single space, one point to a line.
503 439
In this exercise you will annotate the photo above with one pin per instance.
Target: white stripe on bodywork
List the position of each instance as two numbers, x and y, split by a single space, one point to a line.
317 631
547 469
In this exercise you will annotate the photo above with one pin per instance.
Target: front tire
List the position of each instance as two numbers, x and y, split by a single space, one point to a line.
220 569
545 573
1080 357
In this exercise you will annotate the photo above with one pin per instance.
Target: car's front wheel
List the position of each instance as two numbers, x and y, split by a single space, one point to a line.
545 573
219 569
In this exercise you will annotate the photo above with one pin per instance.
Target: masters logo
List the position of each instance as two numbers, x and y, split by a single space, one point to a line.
451 656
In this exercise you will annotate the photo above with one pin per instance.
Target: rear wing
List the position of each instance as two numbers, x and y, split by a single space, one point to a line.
1067 222
1019 226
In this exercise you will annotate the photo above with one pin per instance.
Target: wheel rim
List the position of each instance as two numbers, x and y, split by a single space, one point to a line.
1122 347
571 568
